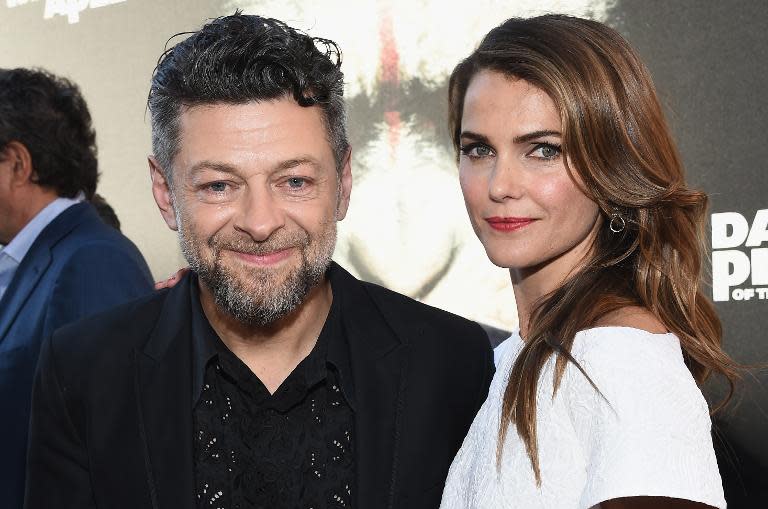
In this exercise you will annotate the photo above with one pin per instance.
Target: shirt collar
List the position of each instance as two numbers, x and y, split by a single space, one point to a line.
204 340
19 246
332 340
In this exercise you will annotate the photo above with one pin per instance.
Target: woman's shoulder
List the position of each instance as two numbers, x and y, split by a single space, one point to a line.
618 342
629 356
610 347
636 317
645 406
637 372
628 337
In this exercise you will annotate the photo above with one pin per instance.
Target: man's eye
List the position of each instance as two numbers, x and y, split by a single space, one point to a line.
217 187
546 151
296 182
476 150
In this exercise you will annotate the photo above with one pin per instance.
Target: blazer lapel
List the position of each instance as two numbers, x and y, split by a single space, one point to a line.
378 360
164 395
25 280
36 262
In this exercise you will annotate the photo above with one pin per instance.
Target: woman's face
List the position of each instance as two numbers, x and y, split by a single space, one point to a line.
523 204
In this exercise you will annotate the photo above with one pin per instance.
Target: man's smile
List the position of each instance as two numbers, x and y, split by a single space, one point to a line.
265 259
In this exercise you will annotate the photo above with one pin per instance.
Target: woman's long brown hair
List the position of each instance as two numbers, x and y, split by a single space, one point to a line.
616 140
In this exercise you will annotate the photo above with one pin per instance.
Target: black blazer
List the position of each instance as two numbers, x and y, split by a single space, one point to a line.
112 408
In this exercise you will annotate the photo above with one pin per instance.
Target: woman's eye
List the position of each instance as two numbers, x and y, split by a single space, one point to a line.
546 151
476 150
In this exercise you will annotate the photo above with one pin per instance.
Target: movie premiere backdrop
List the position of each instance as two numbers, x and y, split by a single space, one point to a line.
407 228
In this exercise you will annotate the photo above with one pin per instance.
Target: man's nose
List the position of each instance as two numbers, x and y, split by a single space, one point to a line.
260 215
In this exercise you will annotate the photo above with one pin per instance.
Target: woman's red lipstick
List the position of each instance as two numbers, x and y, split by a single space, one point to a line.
508 224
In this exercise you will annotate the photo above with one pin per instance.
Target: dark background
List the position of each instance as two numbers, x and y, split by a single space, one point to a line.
708 60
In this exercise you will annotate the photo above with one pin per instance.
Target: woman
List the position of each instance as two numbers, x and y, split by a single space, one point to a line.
572 181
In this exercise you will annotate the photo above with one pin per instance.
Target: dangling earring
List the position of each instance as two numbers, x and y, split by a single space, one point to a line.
617 223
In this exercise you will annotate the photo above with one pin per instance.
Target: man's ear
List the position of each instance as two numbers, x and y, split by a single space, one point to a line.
345 187
162 192
17 156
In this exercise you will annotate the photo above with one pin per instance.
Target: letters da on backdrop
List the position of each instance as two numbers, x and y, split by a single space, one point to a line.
739 256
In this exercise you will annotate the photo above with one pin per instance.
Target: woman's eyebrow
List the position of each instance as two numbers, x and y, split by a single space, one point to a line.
525 138
473 136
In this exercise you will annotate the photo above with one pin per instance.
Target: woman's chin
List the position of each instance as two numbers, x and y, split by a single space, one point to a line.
507 260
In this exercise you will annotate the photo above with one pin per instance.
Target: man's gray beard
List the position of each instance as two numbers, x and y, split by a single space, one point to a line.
266 301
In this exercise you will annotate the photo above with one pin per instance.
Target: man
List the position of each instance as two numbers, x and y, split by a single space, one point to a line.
105 211
59 261
268 376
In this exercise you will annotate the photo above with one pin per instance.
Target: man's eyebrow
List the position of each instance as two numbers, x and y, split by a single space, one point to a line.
228 168
212 165
297 161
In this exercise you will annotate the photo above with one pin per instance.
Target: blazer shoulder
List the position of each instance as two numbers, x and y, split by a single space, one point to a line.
114 332
78 237
91 231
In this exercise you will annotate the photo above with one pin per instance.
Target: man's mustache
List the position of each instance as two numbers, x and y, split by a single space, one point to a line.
247 245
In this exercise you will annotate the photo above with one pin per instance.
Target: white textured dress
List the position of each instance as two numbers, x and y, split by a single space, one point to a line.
651 438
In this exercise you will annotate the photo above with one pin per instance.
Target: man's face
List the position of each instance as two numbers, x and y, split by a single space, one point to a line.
10 223
5 203
256 200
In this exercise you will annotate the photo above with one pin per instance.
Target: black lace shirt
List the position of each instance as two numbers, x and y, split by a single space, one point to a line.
293 449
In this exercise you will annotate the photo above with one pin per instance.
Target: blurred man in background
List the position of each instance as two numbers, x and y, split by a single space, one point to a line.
59 261
105 211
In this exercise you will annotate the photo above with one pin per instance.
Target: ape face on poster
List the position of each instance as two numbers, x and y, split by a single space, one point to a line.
407 228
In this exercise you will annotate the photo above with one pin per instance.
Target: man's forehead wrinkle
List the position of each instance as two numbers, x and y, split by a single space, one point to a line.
239 129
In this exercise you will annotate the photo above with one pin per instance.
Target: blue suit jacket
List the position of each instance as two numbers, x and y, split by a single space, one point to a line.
77 266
